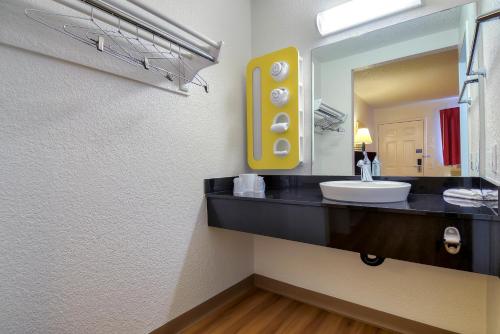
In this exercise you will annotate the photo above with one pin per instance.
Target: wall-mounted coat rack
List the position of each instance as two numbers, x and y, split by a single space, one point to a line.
327 118
138 35
480 19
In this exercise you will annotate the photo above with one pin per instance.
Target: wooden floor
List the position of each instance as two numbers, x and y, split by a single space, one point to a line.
266 312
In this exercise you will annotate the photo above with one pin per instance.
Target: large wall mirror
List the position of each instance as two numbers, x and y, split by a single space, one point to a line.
395 93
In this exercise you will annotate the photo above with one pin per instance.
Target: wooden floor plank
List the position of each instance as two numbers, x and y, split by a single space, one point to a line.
269 315
298 320
276 322
330 324
263 312
213 325
234 324
216 313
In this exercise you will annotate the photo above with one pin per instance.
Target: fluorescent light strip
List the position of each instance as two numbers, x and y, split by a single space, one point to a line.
357 12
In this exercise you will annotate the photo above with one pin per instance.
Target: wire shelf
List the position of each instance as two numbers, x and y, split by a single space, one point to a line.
135 44
327 118
324 122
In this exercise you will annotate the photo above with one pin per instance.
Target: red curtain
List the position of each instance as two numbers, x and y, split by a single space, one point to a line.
450 134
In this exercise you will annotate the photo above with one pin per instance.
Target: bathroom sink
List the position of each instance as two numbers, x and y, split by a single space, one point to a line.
366 192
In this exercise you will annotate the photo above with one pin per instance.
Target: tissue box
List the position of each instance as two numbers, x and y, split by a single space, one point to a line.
249 185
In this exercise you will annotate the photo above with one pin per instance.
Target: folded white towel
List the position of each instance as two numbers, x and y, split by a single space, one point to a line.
490 195
467 203
473 194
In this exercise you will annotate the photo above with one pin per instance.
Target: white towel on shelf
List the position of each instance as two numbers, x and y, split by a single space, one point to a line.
472 194
467 203
490 195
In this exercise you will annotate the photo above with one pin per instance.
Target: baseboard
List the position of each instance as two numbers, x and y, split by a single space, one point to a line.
231 296
347 309
219 303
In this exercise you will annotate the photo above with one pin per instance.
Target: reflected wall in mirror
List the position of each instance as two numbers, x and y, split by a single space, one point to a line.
394 92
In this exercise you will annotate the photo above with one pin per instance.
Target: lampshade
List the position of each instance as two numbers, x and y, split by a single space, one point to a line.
363 136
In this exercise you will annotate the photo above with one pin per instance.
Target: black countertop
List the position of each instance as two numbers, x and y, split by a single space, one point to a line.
415 204
425 200
413 230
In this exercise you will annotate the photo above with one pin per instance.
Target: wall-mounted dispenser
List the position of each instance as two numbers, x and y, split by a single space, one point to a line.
280 96
275 111
279 70
280 123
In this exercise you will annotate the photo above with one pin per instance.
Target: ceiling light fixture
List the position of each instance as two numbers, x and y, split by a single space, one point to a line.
356 12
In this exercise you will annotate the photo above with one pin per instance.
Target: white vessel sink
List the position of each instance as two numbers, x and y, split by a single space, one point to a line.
366 192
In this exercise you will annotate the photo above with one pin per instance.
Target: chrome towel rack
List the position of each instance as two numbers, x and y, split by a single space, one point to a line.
479 20
327 118
127 30
326 122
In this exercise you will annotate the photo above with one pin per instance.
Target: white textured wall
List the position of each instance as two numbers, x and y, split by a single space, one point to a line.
102 213
455 300
103 223
490 62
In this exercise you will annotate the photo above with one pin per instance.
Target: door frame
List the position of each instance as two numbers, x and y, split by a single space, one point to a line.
424 136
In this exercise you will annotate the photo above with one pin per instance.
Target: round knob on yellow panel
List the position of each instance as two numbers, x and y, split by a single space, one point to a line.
279 70
279 96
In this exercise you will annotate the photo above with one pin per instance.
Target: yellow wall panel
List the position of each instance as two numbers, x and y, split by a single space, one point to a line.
263 153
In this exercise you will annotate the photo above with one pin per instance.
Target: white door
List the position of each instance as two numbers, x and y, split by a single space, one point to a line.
400 148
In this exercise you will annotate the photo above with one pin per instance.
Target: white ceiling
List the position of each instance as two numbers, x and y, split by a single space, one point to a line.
423 77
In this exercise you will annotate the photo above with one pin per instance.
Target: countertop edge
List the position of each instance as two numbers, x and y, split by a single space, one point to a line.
468 216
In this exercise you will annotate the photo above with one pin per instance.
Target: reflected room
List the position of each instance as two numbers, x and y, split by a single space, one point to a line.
393 97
